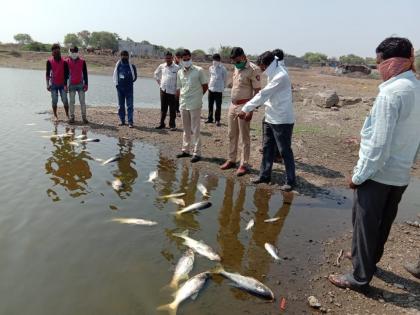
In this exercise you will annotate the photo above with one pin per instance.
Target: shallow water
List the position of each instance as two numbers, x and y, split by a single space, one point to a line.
61 254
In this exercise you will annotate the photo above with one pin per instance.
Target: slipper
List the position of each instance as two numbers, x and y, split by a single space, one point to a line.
347 282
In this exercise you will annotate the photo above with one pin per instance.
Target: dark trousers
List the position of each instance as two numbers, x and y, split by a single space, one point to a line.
279 136
177 104
215 97
374 210
125 96
167 101
277 155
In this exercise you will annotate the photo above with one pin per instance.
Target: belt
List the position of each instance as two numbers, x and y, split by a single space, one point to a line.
241 102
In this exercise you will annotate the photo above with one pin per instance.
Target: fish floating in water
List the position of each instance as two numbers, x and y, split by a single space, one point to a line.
272 250
89 140
178 201
198 246
134 221
152 176
112 159
246 283
183 268
171 196
30 124
195 207
272 220
250 225
203 190
59 136
81 137
189 289
117 184
42 131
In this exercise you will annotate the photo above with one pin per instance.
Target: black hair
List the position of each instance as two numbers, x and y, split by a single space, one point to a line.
55 46
168 53
236 52
278 53
216 57
74 49
124 53
186 52
265 58
395 47
179 53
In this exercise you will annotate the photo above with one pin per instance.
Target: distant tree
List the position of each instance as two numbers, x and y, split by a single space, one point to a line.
71 39
199 52
128 39
145 42
23 39
352 59
37 46
224 52
104 40
84 37
315 57
118 37
370 61
212 50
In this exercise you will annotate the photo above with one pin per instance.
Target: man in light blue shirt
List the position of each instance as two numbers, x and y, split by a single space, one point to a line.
390 142
218 77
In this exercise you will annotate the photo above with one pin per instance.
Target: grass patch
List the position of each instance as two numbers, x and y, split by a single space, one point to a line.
298 129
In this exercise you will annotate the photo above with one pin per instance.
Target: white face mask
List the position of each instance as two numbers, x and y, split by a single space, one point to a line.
187 64
74 55
216 63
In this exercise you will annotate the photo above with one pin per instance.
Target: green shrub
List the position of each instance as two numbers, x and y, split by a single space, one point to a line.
37 46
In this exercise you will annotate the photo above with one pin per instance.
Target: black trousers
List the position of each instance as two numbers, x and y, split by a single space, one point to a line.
277 155
215 97
167 101
374 210
279 136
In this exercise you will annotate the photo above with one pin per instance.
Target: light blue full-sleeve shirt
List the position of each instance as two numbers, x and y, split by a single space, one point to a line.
390 137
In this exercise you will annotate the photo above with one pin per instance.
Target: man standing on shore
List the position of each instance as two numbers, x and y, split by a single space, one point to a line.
218 77
389 143
125 74
191 86
279 118
57 75
165 75
246 83
78 82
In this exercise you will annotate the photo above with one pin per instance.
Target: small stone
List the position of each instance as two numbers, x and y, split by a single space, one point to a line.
313 302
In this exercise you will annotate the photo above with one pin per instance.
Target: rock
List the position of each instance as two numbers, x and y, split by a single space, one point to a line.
326 99
313 302
350 100
307 102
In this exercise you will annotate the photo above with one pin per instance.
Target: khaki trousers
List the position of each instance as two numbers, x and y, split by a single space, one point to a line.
239 133
191 120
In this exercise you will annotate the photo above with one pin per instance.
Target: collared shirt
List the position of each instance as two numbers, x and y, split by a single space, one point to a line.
245 81
190 83
390 137
276 96
218 76
166 75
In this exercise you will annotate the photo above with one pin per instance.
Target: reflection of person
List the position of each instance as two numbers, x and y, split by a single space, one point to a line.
68 168
125 171
388 146
218 77
57 74
414 268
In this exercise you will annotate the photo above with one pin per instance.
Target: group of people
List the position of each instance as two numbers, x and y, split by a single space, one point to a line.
390 140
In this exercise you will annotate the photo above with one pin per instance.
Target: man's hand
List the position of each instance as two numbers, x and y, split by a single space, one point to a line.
49 88
65 89
85 88
351 184
248 116
242 115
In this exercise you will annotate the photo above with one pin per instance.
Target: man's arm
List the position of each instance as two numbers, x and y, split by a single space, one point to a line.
135 73
47 74
85 73
204 81
158 74
376 152
66 75
205 88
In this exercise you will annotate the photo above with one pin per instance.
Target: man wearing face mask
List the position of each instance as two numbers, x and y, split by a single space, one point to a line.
78 82
57 75
191 86
246 83
125 74
165 75
218 77
278 120
389 144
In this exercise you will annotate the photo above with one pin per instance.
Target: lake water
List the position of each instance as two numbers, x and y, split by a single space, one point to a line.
60 253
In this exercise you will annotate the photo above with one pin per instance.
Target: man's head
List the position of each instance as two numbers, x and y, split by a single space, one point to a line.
56 51
124 56
178 56
265 59
216 57
186 58
169 58
393 47
278 53
74 52
237 55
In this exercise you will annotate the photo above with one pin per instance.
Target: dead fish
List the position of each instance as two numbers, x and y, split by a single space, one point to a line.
172 196
198 246
152 176
189 289
203 190
117 184
42 131
246 283
112 159
81 137
74 143
183 268
272 220
250 225
99 160
30 124
134 221
272 250
195 206
90 140
178 201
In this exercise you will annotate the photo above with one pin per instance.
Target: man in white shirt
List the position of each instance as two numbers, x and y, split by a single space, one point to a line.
166 75
279 118
218 77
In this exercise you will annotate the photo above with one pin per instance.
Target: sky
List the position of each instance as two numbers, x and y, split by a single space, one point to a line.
333 27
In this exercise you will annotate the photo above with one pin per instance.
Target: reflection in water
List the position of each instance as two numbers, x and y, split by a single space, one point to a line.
125 171
68 168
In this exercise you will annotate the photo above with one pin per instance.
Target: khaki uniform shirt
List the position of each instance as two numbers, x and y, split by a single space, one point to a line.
245 81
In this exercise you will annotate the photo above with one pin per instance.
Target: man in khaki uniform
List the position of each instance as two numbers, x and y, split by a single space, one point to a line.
246 83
